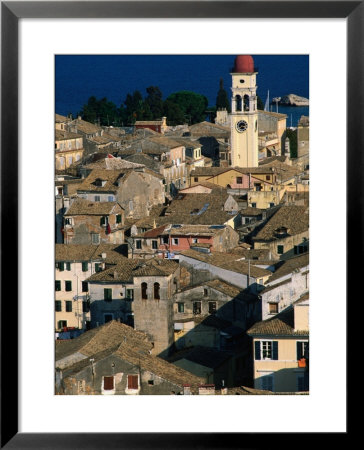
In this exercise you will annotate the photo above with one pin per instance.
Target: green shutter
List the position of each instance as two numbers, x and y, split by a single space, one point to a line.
84 266
61 266
275 350
257 350
299 350
102 221
118 218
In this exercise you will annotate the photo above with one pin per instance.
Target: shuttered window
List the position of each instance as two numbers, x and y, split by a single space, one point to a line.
266 350
61 266
302 350
275 350
58 305
257 350
118 218
280 249
68 285
58 285
84 266
132 381
107 294
68 306
68 266
108 383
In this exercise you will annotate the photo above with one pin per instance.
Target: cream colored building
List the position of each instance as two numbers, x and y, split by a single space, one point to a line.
281 350
68 148
244 113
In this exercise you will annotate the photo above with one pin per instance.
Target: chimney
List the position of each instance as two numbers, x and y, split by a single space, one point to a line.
206 389
187 389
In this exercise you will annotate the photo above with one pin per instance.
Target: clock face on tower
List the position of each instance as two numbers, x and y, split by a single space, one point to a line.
241 126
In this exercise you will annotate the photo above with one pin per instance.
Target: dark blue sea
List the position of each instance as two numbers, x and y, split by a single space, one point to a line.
114 76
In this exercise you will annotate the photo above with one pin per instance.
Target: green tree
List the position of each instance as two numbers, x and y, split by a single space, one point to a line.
154 102
134 107
193 105
292 136
260 104
222 100
102 111
173 112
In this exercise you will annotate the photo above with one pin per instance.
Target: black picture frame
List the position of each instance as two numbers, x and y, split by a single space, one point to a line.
11 12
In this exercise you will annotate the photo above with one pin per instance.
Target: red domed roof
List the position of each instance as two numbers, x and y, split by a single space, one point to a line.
244 64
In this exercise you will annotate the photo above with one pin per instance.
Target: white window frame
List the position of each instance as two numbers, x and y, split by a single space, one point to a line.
175 241
262 349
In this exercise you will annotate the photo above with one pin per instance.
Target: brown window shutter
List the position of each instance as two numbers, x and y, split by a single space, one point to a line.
132 381
108 383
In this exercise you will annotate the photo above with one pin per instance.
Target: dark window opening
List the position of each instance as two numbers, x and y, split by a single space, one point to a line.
156 291
144 291
107 294
196 307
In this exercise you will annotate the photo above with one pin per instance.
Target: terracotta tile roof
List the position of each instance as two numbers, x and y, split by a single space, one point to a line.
102 338
159 367
213 171
110 176
156 267
191 230
250 211
146 160
165 142
271 159
149 122
154 232
61 119
273 114
280 325
227 261
85 127
294 218
289 265
225 288
74 252
187 142
61 135
113 164
126 270
209 129
81 206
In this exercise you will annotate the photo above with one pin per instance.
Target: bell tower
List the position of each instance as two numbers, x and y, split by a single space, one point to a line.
244 113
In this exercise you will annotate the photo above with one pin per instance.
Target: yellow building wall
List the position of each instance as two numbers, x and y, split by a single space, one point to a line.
288 244
285 369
